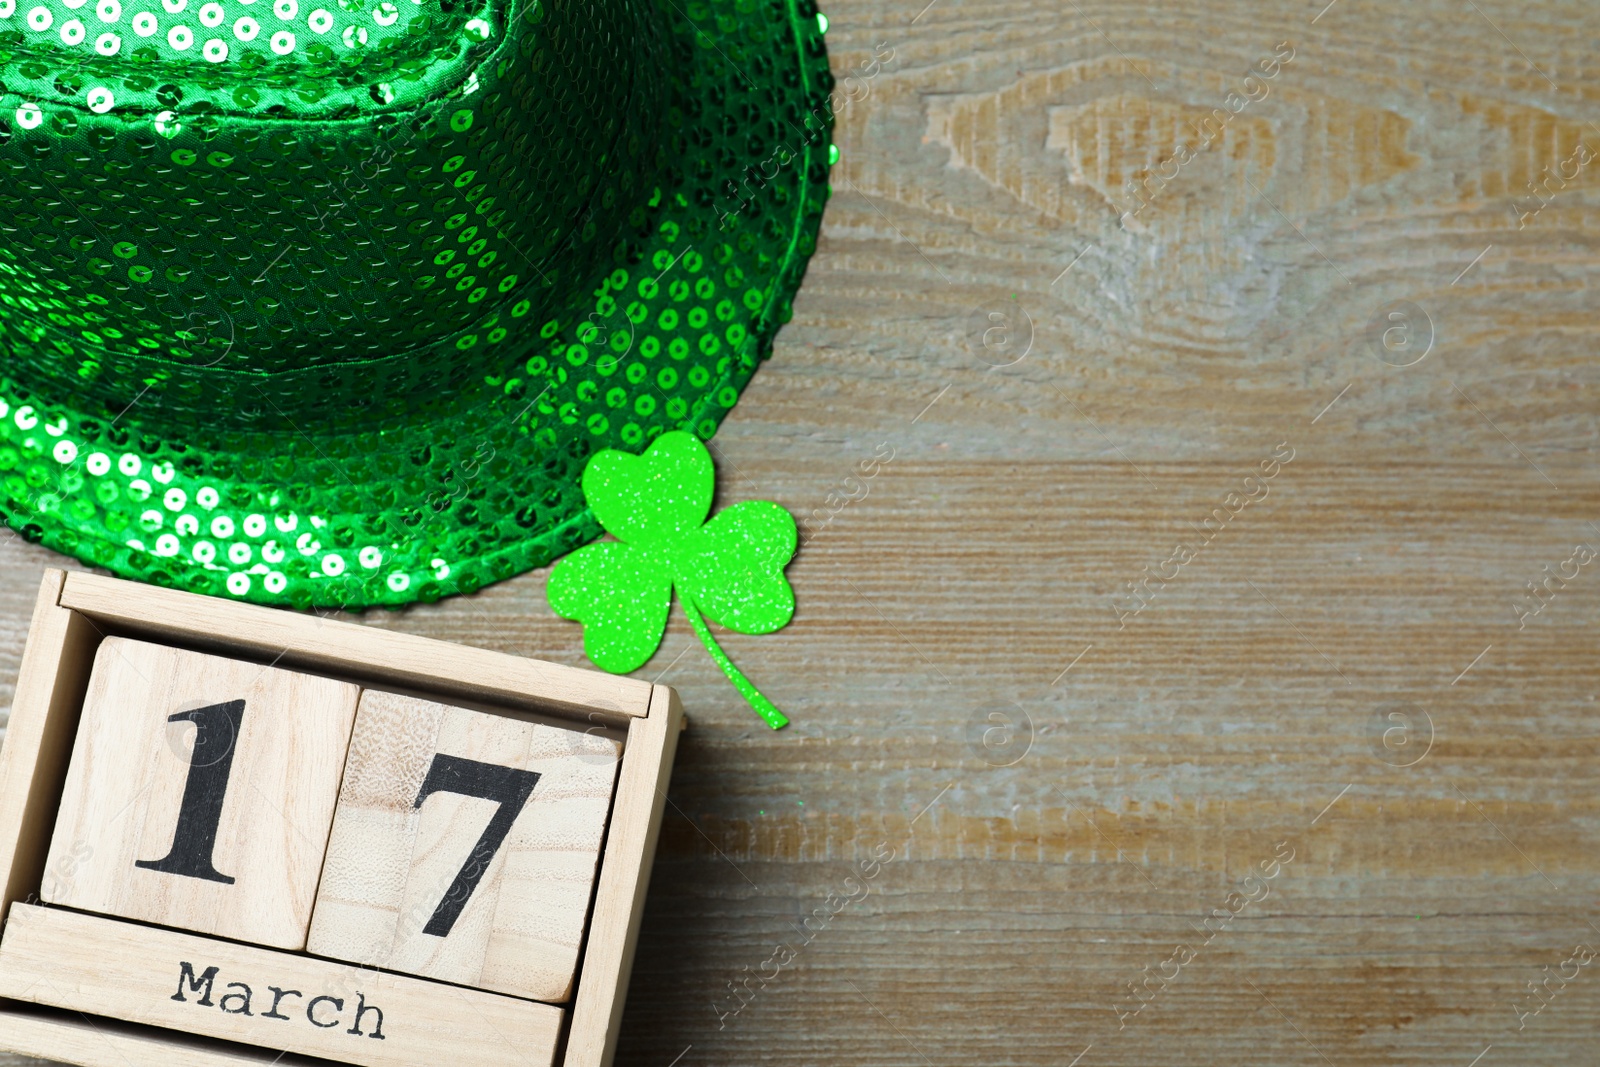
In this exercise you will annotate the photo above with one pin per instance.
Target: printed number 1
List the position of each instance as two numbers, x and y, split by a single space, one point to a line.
216 735
487 781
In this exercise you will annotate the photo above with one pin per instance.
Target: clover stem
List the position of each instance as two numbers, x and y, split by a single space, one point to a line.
763 707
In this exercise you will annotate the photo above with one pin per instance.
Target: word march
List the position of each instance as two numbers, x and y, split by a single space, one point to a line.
324 1012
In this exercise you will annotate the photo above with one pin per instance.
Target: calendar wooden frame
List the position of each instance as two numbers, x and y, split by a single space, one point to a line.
75 611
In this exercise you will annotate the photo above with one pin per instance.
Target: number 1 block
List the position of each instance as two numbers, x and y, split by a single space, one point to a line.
200 794
464 847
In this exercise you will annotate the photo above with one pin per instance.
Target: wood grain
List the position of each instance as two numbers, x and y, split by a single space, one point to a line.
257 849
625 870
397 851
280 1000
1175 755
110 1043
58 658
318 643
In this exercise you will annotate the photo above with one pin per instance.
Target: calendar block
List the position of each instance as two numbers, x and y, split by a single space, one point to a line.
181 772
464 846
280 1000
200 793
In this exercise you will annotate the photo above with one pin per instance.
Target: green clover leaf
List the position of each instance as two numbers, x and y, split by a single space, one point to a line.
655 498
621 598
731 568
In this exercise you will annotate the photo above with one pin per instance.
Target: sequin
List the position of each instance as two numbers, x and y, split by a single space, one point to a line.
240 361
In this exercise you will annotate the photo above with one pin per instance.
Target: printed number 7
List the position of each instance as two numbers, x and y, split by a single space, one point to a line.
469 778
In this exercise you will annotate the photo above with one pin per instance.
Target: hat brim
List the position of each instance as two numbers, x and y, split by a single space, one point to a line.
486 485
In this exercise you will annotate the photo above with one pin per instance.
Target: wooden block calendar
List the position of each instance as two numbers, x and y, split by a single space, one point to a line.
230 832
466 850
200 793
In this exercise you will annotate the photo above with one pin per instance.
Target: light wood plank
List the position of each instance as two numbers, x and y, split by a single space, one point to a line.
100 1042
33 760
271 999
348 649
413 880
216 823
624 880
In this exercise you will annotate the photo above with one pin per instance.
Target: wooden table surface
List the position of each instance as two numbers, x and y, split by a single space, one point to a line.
1345 686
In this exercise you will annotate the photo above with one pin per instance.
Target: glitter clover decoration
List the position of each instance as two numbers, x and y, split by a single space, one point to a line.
728 569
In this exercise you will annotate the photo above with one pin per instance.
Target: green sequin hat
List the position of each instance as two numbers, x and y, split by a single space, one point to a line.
327 302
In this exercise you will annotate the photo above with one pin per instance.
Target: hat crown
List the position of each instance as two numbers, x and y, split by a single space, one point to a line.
266 211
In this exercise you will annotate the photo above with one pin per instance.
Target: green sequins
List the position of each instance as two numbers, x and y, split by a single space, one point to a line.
341 324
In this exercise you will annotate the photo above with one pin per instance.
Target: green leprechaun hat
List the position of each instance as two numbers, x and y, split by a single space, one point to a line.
328 302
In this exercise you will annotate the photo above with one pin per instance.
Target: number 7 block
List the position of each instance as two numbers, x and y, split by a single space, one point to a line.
464 846
201 793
